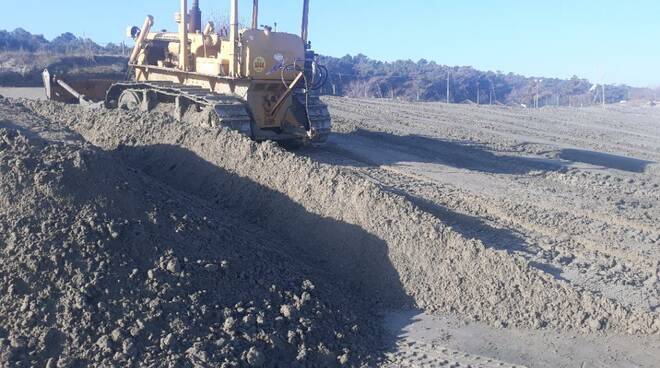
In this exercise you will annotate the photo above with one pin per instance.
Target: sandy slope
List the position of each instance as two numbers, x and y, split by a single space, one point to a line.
101 265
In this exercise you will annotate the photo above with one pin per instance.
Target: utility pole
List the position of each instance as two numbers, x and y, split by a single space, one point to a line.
448 74
603 94
536 98
478 95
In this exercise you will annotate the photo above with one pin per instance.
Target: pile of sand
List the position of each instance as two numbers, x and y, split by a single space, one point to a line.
101 265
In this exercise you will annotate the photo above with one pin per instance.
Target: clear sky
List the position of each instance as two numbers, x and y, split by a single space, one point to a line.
603 40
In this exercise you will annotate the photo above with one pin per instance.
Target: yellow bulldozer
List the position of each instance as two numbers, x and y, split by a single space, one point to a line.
258 81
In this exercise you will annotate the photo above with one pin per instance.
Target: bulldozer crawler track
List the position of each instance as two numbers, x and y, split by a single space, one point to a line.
318 116
229 111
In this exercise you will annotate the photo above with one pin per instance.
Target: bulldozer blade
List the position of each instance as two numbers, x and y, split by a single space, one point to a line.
80 90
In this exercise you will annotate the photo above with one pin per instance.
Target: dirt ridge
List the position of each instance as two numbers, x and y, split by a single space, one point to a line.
101 265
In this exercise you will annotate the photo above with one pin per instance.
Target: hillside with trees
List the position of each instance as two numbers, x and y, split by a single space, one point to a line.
20 40
360 76
24 55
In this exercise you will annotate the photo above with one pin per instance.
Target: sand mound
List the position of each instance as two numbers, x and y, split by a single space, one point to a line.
389 250
100 265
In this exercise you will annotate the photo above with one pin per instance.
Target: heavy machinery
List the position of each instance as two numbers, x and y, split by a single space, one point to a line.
255 80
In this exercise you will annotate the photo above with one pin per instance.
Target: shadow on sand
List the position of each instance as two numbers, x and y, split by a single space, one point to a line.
473 227
606 160
468 156
395 149
457 154
342 250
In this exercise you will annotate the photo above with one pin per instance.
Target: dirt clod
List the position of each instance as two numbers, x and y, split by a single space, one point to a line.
173 266
255 357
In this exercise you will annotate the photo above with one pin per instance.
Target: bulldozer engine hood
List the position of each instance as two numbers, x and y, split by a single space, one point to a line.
266 54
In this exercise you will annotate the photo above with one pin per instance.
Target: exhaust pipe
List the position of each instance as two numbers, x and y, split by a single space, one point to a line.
233 39
305 21
195 18
255 14
183 36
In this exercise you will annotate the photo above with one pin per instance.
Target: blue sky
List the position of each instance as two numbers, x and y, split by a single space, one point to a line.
606 40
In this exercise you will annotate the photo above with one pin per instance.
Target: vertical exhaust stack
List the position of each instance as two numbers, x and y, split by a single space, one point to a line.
195 18
233 39
255 14
305 21
183 36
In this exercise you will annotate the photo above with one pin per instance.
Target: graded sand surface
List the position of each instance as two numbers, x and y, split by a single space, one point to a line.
540 223
576 192
23 92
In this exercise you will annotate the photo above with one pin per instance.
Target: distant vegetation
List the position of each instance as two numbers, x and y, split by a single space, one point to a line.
359 76
24 56
20 40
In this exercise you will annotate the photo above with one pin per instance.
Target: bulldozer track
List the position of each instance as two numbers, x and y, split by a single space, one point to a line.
416 354
229 111
318 115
